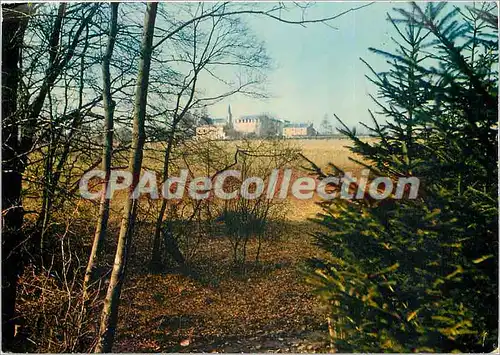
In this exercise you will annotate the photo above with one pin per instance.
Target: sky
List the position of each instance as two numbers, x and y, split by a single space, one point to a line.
317 69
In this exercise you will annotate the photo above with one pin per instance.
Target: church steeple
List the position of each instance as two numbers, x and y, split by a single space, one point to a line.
229 116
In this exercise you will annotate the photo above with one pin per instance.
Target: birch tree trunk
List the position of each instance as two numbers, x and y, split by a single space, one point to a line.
109 316
109 108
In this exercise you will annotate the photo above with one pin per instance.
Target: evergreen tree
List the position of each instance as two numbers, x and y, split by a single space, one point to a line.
422 274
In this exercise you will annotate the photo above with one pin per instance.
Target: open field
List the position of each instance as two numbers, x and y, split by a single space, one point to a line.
325 151
211 305
216 308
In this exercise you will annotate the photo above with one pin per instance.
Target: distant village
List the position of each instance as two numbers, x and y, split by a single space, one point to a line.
251 126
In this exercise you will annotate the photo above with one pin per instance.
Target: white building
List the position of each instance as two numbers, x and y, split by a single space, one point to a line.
210 132
298 130
259 125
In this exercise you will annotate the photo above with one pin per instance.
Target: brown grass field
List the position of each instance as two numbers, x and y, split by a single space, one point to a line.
269 308
213 307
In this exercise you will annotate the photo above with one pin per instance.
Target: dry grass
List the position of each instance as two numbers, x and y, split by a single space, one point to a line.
218 309
322 152
221 309
215 307
325 151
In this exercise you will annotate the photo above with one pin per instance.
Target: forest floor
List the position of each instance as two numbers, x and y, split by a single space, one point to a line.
210 306
266 308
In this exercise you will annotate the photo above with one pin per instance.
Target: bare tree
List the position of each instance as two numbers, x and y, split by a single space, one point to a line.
207 44
109 107
109 317
326 126
21 126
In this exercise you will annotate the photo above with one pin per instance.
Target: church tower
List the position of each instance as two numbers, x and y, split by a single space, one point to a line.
229 117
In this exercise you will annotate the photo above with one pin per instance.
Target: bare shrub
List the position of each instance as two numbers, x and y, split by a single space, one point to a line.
256 219
55 316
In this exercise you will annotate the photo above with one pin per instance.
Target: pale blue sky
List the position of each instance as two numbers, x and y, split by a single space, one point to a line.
318 69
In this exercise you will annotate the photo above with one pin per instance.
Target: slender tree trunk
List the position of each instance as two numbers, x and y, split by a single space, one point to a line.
55 166
171 246
56 66
109 108
43 217
110 311
170 243
15 147
156 253
13 26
